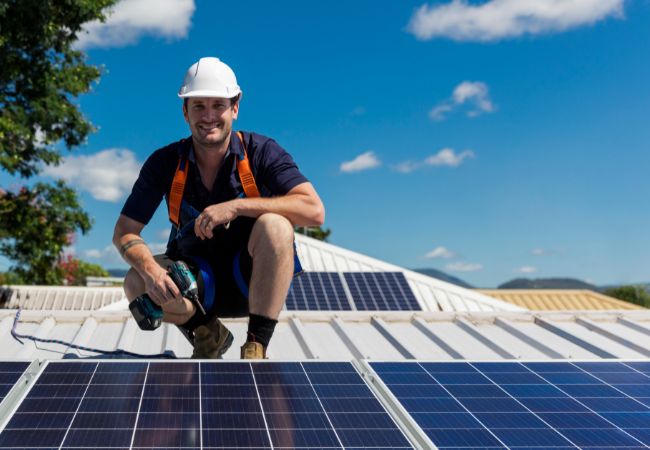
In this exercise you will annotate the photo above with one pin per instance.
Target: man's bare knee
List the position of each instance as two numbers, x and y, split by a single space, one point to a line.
273 232
133 284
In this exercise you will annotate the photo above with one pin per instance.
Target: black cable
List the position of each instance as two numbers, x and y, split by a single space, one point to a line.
17 337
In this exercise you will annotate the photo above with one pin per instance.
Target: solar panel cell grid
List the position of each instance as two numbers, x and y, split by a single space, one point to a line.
317 291
10 372
198 406
541 405
381 291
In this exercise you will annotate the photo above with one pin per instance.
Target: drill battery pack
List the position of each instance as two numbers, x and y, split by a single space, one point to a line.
146 313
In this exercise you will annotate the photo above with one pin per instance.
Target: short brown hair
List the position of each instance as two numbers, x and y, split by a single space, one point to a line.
233 100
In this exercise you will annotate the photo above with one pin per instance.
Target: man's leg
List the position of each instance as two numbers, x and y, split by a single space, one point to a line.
271 248
211 338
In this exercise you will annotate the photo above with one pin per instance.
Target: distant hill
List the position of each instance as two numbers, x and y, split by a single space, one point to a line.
440 275
117 272
547 283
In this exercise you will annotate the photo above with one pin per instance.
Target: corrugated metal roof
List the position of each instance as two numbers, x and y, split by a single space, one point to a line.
356 335
558 299
65 298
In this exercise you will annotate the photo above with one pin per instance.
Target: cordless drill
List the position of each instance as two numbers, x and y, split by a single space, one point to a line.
149 315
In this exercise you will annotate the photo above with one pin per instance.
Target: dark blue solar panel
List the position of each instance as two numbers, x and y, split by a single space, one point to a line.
381 291
200 406
10 372
530 405
318 291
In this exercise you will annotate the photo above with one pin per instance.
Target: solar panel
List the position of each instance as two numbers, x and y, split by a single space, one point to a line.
318 291
10 372
522 405
381 291
206 405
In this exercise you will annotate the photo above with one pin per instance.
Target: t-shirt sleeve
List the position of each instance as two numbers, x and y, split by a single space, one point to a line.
149 188
276 169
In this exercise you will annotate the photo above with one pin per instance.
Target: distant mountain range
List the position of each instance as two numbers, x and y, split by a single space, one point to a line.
526 283
547 283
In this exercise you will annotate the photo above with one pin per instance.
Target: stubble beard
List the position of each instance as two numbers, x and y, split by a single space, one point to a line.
208 142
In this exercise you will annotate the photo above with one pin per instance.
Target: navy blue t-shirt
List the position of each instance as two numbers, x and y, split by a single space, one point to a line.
274 170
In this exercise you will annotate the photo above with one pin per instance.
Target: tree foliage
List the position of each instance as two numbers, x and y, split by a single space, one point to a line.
636 294
322 234
40 77
75 271
35 225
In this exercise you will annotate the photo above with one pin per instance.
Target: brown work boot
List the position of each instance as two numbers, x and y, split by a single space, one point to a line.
211 340
253 350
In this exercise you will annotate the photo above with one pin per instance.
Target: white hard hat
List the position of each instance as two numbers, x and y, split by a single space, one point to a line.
209 77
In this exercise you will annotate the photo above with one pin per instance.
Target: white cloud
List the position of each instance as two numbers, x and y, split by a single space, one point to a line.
438 112
500 19
447 157
132 19
408 166
109 254
546 251
93 253
106 255
364 161
525 269
358 111
440 252
464 267
107 175
475 94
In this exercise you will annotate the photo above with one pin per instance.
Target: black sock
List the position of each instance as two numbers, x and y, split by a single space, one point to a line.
197 319
260 329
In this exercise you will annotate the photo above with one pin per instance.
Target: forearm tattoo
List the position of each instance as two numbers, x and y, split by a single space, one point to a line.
130 244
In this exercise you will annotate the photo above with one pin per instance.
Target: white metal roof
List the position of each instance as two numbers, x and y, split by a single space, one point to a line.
432 294
356 335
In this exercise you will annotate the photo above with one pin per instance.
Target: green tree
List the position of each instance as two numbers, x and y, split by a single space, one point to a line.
35 225
75 271
636 294
322 234
41 75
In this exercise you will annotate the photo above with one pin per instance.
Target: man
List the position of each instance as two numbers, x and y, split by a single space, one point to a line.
222 226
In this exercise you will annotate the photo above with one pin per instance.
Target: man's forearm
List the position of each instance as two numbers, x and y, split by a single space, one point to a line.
301 210
135 252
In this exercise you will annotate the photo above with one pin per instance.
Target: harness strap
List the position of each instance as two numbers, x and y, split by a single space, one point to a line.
176 191
180 177
245 173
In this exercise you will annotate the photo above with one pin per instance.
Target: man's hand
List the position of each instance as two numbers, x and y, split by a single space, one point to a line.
161 288
213 216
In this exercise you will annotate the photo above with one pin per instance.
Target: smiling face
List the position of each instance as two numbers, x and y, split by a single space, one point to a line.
210 119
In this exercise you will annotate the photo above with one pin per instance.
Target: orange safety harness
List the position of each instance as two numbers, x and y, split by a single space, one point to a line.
180 177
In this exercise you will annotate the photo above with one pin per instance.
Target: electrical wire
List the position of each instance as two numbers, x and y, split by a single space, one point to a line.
19 336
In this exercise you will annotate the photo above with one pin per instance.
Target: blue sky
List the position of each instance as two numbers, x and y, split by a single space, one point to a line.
491 139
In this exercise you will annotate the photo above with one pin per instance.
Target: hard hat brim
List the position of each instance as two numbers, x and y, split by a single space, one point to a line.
211 94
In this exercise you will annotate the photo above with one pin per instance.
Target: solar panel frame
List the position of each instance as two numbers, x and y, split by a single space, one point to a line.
596 437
